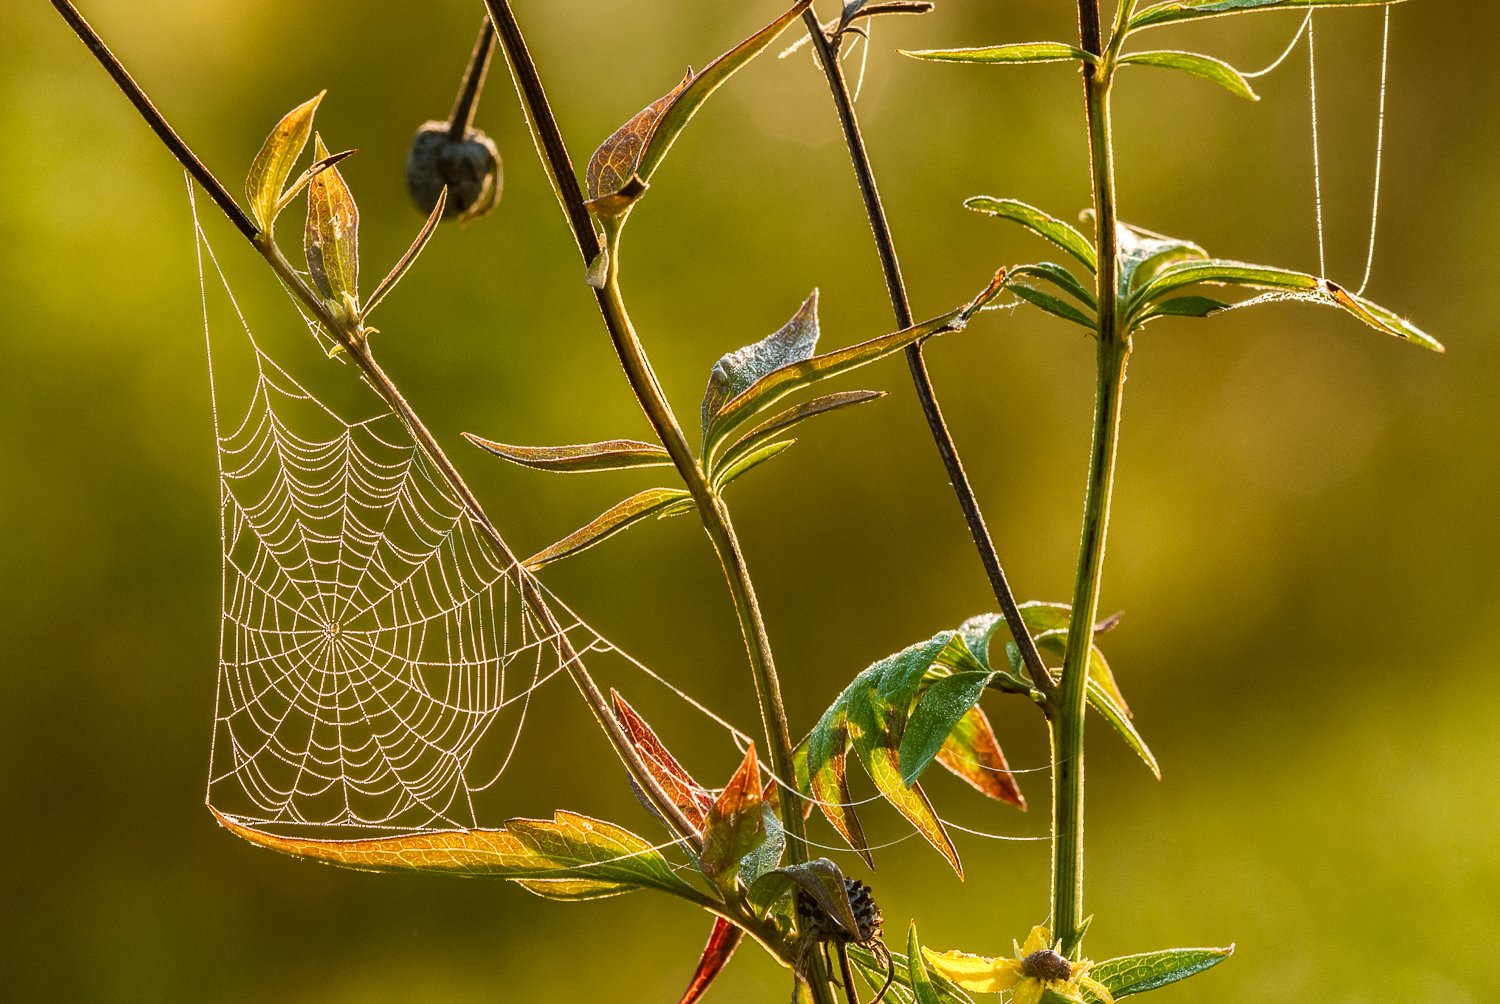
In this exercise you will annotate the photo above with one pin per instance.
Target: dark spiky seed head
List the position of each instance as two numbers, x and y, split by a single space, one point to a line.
1046 965
813 919
470 167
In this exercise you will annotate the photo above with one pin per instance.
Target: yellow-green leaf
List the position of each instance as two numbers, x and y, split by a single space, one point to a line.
1189 10
331 240
1048 227
1207 67
1012 52
405 262
278 155
884 765
735 825
652 501
766 431
610 455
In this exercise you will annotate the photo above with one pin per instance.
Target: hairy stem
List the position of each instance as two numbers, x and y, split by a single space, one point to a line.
1113 352
885 247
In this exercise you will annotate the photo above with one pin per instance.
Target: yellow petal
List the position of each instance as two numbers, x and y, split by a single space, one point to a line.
974 972
1038 939
1028 992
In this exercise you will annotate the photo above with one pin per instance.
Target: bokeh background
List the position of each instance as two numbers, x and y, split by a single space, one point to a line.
1304 538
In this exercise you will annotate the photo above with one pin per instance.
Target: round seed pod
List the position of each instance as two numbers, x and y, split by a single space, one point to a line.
813 919
470 167
1046 965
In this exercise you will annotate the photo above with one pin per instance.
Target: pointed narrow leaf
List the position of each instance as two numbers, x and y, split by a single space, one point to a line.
1207 67
610 455
1380 318
820 878
568 846
573 890
1122 724
1183 306
747 462
921 982
331 241
874 971
314 169
1061 278
1013 52
1049 227
884 766
779 383
1135 974
398 270
938 711
1189 10
1053 305
278 155
767 430
734 826
635 150
1145 255
722 941
650 502
856 9
972 754
795 342
687 794
828 779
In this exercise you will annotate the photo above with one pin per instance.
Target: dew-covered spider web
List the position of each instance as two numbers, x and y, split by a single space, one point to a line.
376 659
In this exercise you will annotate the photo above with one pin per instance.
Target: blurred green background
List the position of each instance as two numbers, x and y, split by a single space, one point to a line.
1304 537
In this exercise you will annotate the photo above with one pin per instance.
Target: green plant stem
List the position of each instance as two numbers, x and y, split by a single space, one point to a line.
1113 352
885 247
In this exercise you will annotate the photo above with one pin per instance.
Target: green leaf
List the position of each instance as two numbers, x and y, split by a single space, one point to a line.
874 971
788 379
1207 67
331 240
399 269
620 169
769 429
278 155
1135 974
747 462
1013 52
652 501
600 855
828 778
610 455
916 969
1051 304
1119 720
820 878
1191 10
1144 255
735 825
1183 306
735 372
938 712
1061 278
1049 227
687 794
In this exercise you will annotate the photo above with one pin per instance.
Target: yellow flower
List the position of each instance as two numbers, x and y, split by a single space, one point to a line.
1038 967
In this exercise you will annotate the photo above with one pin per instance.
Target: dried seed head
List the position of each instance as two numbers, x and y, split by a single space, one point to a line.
814 920
1046 965
470 167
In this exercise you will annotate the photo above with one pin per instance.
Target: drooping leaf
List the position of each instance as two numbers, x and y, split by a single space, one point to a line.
854 10
742 465
972 754
794 342
399 269
883 763
652 501
1061 278
820 878
1189 10
1135 974
735 825
1207 67
828 779
1048 227
687 794
610 455
1120 721
938 712
768 430
566 847
1012 52
1056 306
1183 306
278 155
331 241
620 169
722 941
780 382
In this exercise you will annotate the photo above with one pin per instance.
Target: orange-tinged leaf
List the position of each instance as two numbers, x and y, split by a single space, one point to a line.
331 240
973 754
884 765
688 795
735 825
829 783
615 162
722 941
568 846
278 155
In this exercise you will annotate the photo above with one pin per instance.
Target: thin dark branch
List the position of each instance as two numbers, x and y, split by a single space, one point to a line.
890 265
467 102
156 120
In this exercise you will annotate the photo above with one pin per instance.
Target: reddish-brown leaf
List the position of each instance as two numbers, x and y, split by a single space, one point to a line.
688 795
972 753
722 941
